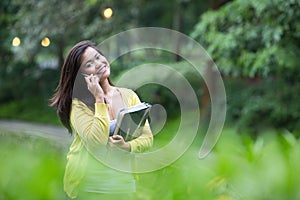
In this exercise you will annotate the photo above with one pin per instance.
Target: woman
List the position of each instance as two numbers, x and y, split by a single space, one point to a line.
87 104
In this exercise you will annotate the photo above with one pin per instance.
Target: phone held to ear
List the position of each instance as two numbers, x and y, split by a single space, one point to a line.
85 75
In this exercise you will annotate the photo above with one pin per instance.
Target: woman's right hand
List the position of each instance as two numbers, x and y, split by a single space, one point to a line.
95 88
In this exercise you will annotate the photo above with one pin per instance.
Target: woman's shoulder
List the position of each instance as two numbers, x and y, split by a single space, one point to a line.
129 96
126 91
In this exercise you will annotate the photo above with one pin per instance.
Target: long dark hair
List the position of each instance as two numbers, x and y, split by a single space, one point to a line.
62 98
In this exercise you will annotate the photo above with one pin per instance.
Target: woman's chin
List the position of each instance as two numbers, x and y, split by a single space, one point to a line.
106 74
104 77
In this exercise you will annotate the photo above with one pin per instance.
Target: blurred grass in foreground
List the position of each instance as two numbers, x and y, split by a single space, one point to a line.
238 168
31 168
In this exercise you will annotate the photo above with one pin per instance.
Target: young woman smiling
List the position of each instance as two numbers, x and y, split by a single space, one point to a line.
87 105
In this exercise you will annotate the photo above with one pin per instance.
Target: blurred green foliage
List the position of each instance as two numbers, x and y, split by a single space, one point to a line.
159 94
26 80
255 45
238 168
33 168
29 109
250 38
255 105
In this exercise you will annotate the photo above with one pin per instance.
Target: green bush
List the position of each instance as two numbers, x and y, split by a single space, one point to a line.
25 90
31 109
239 167
259 103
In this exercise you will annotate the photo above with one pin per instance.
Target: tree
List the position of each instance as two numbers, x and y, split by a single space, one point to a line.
258 40
6 17
64 22
249 38
210 73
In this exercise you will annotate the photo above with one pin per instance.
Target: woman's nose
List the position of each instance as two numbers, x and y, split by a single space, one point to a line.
97 64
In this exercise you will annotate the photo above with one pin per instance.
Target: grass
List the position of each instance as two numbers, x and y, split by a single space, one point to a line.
31 168
238 168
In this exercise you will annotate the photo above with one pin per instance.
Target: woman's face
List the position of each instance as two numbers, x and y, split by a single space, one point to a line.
94 63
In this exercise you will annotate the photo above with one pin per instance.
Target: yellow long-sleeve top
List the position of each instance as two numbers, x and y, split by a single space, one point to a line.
91 129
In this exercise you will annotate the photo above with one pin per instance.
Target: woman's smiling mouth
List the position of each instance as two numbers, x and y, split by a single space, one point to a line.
102 69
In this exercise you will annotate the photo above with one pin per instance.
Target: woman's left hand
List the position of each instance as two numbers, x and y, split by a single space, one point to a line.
118 140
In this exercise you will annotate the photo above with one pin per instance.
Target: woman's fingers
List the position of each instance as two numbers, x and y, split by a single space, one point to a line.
93 85
118 141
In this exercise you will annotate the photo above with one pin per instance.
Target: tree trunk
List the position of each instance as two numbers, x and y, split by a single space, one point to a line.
210 76
177 23
209 73
216 4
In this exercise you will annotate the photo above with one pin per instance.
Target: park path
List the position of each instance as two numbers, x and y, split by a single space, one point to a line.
55 133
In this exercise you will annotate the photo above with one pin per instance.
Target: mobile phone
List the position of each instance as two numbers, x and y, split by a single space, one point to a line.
85 75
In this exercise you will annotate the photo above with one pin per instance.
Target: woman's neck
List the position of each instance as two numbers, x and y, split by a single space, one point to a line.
106 87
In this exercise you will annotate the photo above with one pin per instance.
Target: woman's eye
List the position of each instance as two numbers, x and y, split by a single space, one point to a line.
97 57
88 65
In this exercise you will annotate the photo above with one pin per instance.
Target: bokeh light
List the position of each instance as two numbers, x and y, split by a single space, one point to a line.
16 42
107 13
45 42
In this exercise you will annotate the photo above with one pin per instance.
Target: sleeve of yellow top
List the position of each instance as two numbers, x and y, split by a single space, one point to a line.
92 128
145 141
